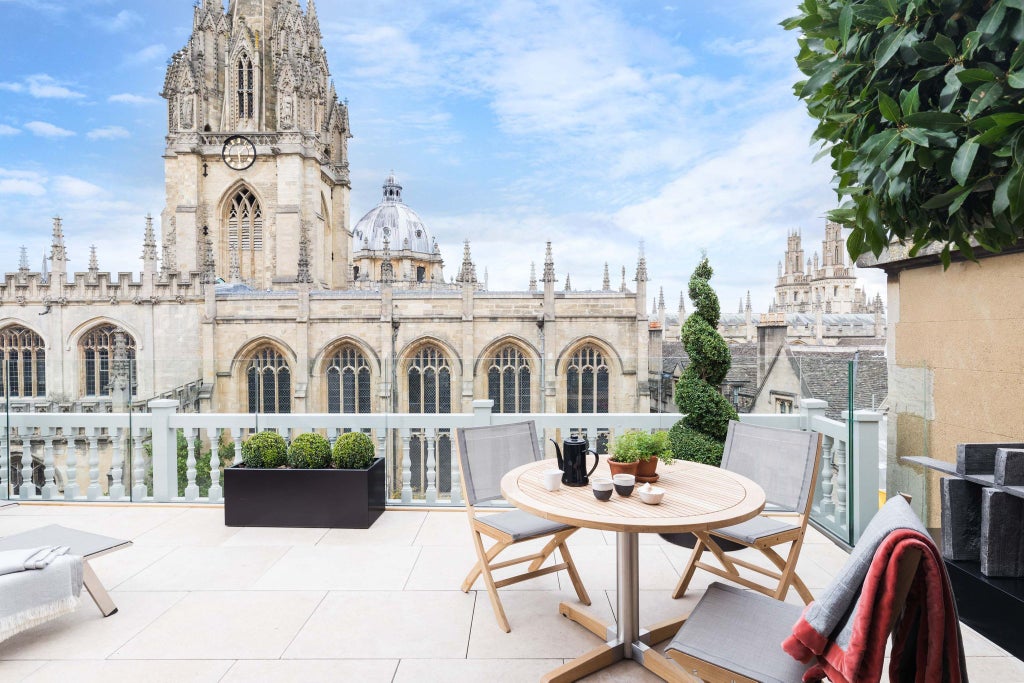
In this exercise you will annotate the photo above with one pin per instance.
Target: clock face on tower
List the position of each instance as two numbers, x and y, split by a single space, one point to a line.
239 152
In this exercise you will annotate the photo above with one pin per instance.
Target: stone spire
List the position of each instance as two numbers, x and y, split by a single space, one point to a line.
748 301
682 307
23 261
94 265
167 252
533 277
740 309
467 274
549 265
568 283
58 253
654 307
149 248
44 271
622 287
606 283
661 298
387 268
303 275
641 266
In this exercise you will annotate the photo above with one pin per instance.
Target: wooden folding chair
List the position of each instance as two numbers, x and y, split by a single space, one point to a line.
733 635
485 455
784 462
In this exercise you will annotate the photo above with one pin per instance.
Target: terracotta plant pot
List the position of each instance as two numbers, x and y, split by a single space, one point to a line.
646 470
622 467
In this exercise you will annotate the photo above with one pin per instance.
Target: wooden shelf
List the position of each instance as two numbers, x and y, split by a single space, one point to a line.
950 468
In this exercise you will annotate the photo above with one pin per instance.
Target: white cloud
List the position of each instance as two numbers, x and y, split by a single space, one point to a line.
148 54
108 133
47 130
12 87
124 19
76 188
46 87
129 98
8 130
17 186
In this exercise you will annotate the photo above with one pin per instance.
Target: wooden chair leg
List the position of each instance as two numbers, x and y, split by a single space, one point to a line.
788 568
549 548
691 566
574 575
492 590
474 573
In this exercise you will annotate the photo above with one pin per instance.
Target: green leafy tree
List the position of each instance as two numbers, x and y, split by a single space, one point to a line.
919 104
700 435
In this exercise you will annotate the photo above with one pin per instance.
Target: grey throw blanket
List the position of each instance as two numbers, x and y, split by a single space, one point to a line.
36 585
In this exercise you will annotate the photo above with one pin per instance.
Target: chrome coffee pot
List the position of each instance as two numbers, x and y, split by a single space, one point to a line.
572 460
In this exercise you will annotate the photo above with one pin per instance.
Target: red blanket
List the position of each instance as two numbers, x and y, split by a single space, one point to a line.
926 641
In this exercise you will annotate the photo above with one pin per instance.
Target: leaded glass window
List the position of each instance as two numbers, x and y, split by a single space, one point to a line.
587 387
99 348
246 88
269 382
508 381
23 360
348 382
430 391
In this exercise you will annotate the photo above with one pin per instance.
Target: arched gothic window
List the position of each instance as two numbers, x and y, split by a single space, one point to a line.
348 382
269 382
101 347
23 358
430 391
587 381
508 381
246 88
245 223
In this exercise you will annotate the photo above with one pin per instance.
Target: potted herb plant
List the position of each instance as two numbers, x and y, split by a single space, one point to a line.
643 448
305 483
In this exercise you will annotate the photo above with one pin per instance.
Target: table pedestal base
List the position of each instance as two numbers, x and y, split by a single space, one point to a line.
624 639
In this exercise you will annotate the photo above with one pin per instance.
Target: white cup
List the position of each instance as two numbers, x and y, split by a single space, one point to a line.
601 483
552 479
624 479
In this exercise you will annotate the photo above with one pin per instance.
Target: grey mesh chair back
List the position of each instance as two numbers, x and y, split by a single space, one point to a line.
487 453
781 461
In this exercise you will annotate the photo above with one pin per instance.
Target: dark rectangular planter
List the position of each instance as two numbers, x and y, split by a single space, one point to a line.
336 499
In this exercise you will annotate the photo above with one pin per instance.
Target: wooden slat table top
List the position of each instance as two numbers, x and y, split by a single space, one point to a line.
697 498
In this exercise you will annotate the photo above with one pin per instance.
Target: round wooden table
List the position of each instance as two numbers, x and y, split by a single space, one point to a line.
697 498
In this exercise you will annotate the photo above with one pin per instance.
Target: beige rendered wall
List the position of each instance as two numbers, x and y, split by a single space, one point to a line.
956 364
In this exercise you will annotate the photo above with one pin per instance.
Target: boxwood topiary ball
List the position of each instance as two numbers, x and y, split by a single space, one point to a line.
265 450
309 451
353 451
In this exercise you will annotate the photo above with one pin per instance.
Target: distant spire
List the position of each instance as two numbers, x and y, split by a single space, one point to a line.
23 261
149 244
740 309
568 283
661 298
44 271
682 306
533 277
467 274
748 300
58 254
94 264
549 265
654 307
606 283
641 266
314 21
622 287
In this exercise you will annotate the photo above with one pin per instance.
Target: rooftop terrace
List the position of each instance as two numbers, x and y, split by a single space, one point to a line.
200 601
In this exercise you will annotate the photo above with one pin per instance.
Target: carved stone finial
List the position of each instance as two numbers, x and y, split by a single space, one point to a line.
622 287
149 243
209 275
58 253
549 265
606 282
467 274
533 277
387 268
304 275
641 266
661 298
568 283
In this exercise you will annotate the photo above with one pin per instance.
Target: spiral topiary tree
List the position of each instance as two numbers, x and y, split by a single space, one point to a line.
700 435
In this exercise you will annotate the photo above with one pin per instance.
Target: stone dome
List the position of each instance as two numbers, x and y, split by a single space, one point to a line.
393 221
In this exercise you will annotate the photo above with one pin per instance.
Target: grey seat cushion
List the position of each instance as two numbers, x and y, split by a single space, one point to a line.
521 525
741 631
753 529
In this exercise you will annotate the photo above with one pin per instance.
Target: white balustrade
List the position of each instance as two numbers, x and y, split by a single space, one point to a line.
139 491
27 490
116 491
49 491
216 492
191 488
430 440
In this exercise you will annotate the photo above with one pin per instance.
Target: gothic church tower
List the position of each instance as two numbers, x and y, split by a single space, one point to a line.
256 164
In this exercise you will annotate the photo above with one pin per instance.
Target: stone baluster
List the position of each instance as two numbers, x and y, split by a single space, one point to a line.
139 491
236 436
456 496
840 482
430 442
93 492
382 451
71 465
827 504
406 467
49 484
216 491
27 489
191 488
116 491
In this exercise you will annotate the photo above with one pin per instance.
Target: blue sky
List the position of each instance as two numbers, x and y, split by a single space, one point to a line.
595 124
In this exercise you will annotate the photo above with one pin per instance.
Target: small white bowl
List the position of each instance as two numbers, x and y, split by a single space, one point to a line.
651 496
